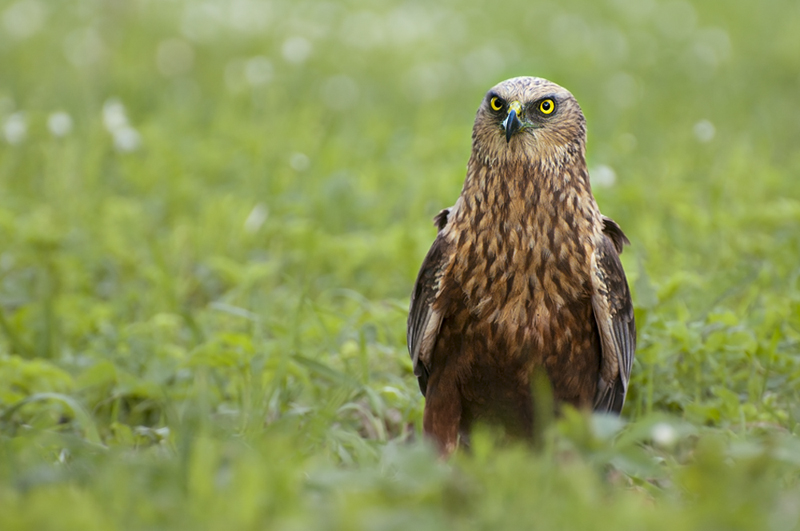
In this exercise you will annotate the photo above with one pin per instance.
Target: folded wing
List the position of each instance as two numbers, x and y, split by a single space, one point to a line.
423 320
613 311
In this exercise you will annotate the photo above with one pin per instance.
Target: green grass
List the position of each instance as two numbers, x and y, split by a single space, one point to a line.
207 330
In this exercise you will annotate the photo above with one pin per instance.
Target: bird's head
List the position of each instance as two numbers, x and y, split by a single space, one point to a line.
527 116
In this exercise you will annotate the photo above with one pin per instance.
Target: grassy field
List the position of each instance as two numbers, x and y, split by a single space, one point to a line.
212 213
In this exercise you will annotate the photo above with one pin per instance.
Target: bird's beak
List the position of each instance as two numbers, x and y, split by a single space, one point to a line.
512 124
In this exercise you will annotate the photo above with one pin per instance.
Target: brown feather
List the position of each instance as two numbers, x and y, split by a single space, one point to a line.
521 266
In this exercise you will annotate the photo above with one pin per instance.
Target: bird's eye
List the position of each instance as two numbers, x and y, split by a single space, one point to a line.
547 106
496 103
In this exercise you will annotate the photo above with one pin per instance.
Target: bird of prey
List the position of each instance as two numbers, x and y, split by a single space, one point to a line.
524 275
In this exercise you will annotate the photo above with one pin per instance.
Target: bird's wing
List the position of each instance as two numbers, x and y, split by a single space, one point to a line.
423 320
613 311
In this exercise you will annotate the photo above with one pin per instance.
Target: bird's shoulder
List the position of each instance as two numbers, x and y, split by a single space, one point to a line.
613 231
440 219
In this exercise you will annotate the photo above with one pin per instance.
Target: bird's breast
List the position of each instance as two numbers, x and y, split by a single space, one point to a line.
526 274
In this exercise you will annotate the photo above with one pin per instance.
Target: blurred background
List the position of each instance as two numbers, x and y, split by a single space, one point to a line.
212 214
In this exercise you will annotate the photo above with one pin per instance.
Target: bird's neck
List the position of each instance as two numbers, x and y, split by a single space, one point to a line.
525 228
534 196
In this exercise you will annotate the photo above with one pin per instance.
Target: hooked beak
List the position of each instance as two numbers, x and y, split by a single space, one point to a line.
512 124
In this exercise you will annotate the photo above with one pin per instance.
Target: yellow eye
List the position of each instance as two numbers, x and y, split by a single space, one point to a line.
547 106
496 103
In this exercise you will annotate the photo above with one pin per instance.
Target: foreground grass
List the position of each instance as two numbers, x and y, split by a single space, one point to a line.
204 274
